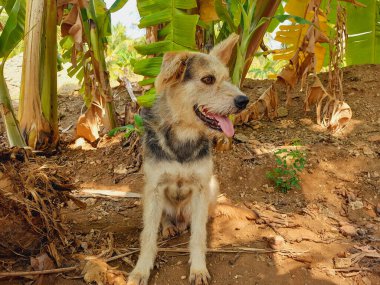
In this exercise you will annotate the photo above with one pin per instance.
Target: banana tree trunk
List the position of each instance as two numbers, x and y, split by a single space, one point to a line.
11 125
38 99
109 118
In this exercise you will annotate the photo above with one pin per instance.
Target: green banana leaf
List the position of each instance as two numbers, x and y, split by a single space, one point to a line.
14 28
148 66
363 28
117 5
178 32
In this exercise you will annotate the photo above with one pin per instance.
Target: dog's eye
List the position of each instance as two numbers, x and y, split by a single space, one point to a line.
209 79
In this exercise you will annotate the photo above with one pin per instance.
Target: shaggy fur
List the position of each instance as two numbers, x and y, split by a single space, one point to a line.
180 187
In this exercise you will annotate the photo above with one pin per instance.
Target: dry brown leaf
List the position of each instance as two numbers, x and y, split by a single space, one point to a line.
267 105
72 25
43 262
340 117
98 271
270 100
223 143
289 75
315 95
207 10
88 124
332 113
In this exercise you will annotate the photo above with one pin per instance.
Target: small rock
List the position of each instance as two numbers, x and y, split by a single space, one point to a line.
277 242
348 230
375 174
282 112
356 205
183 277
269 190
120 169
342 262
378 209
361 232
241 138
84 245
330 272
367 150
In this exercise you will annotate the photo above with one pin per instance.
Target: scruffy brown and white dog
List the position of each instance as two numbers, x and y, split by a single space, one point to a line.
195 95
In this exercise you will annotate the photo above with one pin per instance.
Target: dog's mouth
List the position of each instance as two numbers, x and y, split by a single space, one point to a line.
215 121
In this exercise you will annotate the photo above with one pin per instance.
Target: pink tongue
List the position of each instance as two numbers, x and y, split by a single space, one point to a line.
226 125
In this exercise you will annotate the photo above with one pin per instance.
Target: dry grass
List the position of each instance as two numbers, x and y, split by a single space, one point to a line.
31 195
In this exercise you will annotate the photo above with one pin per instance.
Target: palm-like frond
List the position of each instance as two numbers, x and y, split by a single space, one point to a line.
178 32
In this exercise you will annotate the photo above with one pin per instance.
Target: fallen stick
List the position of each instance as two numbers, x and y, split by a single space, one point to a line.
38 272
84 193
227 250
349 269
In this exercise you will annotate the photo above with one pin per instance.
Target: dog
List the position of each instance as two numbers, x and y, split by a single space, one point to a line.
195 96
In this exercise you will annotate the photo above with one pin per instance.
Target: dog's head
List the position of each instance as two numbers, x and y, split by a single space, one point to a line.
199 86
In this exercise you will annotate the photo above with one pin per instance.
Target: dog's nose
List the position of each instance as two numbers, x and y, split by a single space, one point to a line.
241 101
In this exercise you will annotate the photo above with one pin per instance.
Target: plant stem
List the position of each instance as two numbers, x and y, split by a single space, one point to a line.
97 47
11 125
49 102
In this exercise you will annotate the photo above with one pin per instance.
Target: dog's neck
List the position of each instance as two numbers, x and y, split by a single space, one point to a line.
175 134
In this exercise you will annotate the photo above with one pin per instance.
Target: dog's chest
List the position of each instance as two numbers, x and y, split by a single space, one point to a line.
166 145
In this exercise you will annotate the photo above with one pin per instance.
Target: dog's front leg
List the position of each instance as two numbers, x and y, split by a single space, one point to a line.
198 241
148 241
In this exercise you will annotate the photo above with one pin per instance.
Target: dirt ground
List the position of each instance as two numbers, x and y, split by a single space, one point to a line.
334 218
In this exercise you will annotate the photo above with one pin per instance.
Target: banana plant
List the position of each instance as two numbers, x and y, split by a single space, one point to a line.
250 19
38 109
85 29
11 35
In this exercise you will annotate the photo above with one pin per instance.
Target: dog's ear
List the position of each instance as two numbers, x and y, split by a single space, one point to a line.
172 69
224 49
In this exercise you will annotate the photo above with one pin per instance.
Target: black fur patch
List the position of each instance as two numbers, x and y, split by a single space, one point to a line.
180 151
188 72
153 146
189 150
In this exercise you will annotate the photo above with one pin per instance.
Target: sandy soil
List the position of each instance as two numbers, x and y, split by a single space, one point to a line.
335 215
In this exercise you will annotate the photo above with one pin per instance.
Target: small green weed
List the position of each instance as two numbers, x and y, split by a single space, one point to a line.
137 127
289 164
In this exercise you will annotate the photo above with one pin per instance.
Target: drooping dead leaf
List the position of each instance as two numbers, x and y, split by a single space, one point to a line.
267 105
332 113
98 271
88 124
207 10
72 26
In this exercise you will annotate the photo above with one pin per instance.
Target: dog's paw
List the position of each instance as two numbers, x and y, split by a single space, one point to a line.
199 277
137 279
169 231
